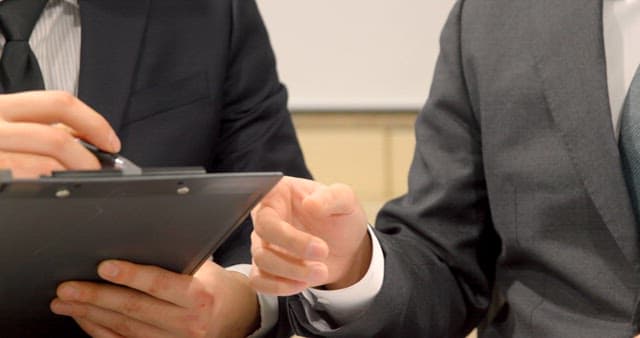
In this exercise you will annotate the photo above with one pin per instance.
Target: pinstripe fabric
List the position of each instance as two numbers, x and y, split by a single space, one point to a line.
56 43
630 141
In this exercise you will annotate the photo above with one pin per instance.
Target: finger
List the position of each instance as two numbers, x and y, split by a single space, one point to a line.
334 200
288 192
271 228
118 323
301 186
65 128
169 286
278 264
272 285
29 165
49 107
126 301
47 141
94 330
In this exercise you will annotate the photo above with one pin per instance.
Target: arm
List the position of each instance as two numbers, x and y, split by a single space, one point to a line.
160 303
256 131
438 240
256 134
38 133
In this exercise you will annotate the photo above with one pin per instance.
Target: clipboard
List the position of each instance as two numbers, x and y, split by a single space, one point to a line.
59 228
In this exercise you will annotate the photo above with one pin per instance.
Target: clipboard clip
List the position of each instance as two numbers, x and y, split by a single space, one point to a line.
113 165
113 160
6 176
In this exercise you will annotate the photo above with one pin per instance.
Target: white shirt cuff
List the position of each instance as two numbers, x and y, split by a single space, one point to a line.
268 305
344 305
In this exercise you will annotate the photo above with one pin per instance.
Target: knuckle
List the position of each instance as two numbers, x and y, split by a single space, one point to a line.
341 187
52 165
196 330
255 210
131 306
296 272
257 281
293 242
160 283
204 299
344 190
87 293
257 252
58 141
96 124
63 99
261 262
254 276
266 263
195 325
258 224
80 310
255 239
48 165
123 327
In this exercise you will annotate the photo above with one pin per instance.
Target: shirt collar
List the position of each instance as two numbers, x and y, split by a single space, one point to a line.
72 2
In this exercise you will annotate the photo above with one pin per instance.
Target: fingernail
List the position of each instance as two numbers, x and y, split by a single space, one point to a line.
316 250
108 270
114 141
60 307
69 292
317 273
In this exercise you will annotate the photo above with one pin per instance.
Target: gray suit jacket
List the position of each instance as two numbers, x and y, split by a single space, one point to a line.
517 214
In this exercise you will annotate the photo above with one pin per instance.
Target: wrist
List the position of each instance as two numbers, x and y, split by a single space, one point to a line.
357 267
250 307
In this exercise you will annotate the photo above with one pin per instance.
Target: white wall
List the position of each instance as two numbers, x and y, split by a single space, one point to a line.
355 54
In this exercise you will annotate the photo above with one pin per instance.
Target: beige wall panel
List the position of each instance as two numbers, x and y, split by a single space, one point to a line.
402 146
348 155
372 207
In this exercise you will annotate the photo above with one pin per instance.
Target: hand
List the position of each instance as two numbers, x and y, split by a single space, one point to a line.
32 143
151 302
308 234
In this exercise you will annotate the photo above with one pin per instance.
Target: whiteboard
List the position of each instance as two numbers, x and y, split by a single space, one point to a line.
355 54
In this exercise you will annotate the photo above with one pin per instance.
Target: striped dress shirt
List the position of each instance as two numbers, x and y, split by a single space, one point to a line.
56 43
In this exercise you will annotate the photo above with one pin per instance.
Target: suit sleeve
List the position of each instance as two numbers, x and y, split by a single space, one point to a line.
438 240
256 130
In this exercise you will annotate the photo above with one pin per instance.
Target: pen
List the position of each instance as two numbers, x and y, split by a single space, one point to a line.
112 160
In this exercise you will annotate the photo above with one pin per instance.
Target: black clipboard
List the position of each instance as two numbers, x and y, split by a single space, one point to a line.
59 228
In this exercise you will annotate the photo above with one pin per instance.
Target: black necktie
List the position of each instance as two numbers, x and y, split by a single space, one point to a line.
19 70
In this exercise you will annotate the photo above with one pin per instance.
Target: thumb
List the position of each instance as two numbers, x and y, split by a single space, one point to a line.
334 200
207 269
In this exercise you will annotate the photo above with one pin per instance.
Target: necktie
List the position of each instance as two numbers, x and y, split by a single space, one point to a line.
19 70
630 142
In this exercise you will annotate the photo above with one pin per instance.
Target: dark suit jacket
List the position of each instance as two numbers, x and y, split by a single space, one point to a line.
517 210
185 83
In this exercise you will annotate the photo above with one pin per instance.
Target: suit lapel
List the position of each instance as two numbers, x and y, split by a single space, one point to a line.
112 32
572 65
